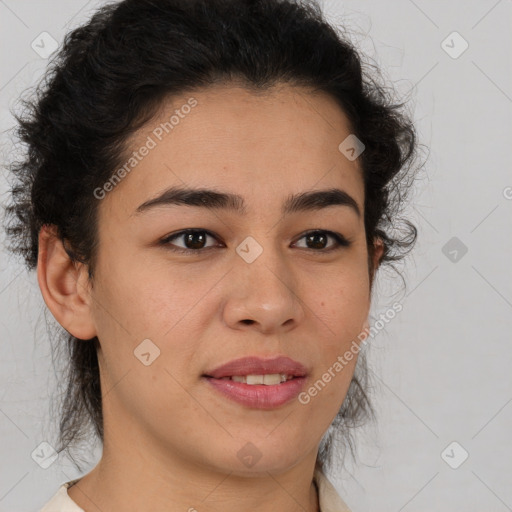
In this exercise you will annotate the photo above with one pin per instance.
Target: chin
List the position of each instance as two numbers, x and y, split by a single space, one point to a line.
257 458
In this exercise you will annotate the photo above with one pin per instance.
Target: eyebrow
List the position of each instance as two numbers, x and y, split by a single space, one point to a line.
207 198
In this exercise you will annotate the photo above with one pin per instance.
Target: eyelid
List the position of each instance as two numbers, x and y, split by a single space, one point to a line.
341 241
167 240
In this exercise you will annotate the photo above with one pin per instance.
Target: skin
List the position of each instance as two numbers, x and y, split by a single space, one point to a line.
171 441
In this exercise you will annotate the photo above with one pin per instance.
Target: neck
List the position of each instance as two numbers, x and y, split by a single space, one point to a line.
131 477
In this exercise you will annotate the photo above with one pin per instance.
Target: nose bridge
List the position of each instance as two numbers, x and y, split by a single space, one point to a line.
262 266
264 292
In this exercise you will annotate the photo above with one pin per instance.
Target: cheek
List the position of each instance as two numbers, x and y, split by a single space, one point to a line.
343 304
143 299
134 305
327 389
149 302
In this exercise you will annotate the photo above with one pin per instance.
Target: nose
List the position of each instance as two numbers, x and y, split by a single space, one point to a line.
263 296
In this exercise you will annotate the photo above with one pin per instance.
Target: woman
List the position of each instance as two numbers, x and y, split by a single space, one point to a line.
208 191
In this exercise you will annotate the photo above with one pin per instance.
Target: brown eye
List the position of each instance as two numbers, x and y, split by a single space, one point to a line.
194 240
318 240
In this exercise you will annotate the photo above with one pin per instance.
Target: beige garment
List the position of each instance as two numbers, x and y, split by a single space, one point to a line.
329 499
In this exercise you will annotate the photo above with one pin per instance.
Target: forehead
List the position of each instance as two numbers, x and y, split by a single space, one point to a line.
257 144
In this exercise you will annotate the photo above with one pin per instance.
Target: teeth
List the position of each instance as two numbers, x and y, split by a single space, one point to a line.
267 380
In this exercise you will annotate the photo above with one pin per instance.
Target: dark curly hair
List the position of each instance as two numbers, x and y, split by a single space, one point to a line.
110 77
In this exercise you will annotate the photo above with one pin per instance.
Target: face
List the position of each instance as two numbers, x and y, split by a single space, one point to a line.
251 281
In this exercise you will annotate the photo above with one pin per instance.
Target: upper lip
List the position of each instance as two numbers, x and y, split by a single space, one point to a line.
259 366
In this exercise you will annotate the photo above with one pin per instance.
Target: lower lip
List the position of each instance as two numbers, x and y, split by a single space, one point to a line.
259 396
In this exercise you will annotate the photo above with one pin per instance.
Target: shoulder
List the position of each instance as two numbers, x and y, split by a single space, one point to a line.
61 502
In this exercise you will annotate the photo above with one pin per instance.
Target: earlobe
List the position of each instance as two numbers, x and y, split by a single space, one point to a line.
64 285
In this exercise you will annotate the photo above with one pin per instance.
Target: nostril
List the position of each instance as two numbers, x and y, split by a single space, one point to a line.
248 322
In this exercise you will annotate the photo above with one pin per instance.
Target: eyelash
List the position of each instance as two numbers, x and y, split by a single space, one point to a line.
341 241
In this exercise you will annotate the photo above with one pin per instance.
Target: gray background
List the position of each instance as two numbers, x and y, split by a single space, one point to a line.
441 368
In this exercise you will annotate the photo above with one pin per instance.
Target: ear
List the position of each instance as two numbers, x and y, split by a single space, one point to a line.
379 250
64 285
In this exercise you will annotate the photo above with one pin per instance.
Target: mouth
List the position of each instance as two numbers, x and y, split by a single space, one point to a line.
257 367
259 383
269 379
